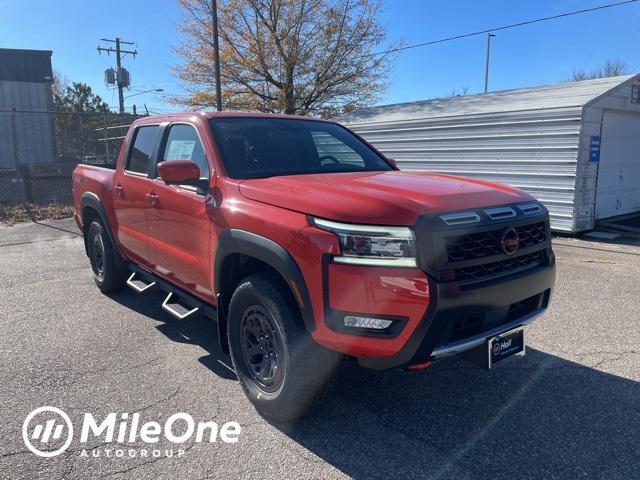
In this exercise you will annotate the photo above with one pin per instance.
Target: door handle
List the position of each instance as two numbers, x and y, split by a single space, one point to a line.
152 198
119 190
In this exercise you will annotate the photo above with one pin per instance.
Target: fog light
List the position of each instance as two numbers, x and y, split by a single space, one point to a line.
366 322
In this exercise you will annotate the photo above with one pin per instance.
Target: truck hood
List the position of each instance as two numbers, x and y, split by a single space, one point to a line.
381 198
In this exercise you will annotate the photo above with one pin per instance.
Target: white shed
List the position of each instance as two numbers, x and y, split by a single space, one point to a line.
574 146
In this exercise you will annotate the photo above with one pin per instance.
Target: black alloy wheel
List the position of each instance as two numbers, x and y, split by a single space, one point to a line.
262 348
97 256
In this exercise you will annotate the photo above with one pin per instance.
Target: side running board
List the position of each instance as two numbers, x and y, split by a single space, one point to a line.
176 308
138 284
178 303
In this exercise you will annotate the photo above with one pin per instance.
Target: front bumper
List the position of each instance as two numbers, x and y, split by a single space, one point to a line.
454 348
490 309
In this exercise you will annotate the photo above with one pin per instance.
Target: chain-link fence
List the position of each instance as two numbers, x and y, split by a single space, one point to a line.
40 149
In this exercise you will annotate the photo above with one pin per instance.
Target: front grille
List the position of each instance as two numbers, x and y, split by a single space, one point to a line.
523 307
532 234
486 244
500 268
466 327
473 253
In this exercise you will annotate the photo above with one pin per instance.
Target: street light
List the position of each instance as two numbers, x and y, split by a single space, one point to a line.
146 91
486 65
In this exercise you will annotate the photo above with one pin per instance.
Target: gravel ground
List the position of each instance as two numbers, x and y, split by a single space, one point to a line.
570 408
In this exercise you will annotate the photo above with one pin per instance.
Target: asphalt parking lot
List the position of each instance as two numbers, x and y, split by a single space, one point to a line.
569 409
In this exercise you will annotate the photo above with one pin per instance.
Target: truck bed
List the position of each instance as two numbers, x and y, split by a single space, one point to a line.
94 180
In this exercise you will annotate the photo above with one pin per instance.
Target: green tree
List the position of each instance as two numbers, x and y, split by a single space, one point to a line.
77 97
79 121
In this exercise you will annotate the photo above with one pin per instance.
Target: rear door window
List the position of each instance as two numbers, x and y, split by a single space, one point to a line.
183 143
144 142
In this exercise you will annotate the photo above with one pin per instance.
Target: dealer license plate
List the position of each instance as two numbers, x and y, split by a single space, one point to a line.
505 346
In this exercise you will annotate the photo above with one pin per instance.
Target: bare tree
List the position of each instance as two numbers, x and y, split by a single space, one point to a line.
463 91
308 57
612 68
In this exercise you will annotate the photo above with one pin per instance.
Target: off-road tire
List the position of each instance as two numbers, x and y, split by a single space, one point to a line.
306 366
109 274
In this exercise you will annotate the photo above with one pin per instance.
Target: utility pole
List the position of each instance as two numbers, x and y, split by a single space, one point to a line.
486 65
216 54
122 75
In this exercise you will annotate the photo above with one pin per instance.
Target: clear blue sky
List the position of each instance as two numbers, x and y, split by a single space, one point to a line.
531 55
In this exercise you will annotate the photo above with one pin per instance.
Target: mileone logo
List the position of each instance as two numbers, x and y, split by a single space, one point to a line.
48 431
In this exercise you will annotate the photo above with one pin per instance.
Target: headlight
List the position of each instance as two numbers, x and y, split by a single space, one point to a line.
372 245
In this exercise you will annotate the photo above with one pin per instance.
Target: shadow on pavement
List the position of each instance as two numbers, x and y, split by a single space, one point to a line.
537 417
72 231
195 330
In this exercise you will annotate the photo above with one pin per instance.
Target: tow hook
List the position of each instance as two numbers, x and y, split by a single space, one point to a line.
419 366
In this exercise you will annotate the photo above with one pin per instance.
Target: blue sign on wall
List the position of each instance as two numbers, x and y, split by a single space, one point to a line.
594 149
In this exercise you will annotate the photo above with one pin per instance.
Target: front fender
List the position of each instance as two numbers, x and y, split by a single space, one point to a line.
261 248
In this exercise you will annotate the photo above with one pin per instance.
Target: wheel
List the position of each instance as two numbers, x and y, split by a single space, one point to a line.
279 366
108 274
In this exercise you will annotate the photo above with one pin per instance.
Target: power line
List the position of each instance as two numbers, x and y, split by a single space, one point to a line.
505 27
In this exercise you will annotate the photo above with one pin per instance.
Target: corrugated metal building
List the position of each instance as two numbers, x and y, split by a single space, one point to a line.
26 130
574 146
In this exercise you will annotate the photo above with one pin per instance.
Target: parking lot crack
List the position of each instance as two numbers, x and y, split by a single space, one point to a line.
12 454
600 262
162 400
93 371
617 356
118 372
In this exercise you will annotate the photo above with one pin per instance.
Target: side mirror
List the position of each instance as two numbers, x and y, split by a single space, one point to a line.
393 162
181 172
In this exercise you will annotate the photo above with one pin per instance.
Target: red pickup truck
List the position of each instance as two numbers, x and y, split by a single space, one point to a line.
308 246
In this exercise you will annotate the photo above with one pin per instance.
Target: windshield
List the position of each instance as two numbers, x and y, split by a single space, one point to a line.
266 147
